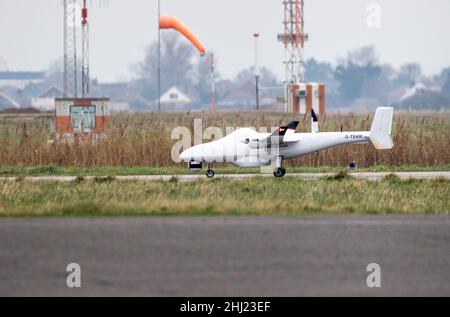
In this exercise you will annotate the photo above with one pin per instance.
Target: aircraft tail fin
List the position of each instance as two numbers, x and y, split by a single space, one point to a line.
381 132
314 122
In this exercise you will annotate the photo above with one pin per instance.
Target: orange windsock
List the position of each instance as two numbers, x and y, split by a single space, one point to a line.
170 22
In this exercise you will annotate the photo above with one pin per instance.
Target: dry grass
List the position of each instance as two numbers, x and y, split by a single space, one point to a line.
143 140
257 196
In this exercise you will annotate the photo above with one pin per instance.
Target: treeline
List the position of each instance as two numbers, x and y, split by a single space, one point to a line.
360 81
356 82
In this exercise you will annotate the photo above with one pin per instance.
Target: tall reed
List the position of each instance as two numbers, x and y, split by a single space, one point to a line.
421 139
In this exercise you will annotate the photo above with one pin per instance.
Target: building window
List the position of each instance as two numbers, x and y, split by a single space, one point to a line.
173 96
82 118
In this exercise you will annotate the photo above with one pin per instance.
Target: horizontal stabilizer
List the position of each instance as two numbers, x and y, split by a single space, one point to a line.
282 131
282 134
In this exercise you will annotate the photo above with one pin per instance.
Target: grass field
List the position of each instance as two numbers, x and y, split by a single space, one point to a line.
257 196
141 144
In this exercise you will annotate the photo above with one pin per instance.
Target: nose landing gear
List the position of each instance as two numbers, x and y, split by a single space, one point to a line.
210 173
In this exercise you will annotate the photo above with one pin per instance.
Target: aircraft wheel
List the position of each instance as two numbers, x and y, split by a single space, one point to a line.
210 174
284 171
279 173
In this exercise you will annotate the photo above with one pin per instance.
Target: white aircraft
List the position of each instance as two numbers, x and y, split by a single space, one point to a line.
248 148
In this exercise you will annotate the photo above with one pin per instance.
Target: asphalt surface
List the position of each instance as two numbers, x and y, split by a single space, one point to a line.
192 178
304 256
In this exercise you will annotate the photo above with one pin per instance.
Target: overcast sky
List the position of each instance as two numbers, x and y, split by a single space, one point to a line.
411 31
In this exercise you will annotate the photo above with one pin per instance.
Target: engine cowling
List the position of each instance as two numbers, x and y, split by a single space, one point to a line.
195 166
252 143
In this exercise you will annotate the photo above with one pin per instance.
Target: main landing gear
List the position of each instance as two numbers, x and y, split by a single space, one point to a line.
280 171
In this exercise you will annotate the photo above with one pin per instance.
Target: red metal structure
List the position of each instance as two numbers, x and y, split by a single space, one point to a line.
294 38
85 48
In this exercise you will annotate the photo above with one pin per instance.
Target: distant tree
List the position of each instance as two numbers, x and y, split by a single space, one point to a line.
362 79
323 72
267 77
176 66
203 77
224 87
409 74
360 57
446 87
268 82
427 100
357 74
318 71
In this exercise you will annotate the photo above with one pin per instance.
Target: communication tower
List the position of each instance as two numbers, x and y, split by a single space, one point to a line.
70 49
293 39
86 119
300 97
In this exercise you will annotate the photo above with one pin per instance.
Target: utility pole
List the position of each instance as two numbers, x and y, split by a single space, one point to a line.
213 85
257 70
159 56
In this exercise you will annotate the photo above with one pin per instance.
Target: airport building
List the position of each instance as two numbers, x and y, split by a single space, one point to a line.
81 120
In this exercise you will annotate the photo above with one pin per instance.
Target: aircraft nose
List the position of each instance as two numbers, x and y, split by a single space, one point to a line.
186 155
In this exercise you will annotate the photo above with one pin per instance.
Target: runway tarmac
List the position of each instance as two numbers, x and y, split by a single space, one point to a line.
192 178
299 256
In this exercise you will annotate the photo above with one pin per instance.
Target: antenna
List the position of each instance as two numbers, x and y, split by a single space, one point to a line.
70 52
257 70
294 38
85 53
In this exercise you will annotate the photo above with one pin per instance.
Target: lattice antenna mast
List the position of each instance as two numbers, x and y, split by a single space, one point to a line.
70 52
85 47
294 38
